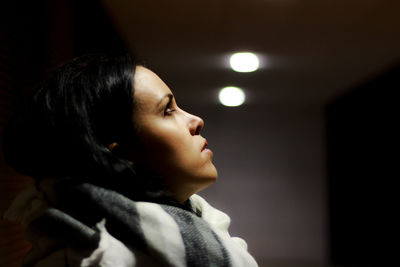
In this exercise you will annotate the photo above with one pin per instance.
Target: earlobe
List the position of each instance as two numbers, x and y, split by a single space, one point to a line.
112 146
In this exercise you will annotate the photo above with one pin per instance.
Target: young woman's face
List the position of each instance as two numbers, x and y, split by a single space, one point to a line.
169 138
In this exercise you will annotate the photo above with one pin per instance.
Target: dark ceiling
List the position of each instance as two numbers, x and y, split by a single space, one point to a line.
311 50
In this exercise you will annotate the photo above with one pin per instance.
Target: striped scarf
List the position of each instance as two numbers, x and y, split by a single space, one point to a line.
130 233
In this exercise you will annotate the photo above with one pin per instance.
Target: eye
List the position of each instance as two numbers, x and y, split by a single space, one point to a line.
168 109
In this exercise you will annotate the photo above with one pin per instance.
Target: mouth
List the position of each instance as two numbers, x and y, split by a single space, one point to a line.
205 145
205 149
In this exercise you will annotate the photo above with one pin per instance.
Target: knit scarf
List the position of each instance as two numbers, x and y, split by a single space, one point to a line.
109 229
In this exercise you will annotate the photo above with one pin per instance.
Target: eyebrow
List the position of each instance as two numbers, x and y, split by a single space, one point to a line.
169 96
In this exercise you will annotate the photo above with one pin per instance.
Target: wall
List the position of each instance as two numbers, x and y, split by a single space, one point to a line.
272 180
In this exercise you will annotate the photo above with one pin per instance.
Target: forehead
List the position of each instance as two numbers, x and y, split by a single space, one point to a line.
149 88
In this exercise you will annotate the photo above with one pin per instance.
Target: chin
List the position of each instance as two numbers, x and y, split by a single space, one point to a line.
211 173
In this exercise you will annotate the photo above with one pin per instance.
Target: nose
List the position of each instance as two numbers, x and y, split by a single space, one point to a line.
195 124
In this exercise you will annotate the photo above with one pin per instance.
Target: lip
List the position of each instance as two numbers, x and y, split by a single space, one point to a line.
205 149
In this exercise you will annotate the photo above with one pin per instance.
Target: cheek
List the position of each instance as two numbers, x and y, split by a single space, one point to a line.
165 150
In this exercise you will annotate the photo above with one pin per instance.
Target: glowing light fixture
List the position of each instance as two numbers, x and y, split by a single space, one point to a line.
231 96
244 62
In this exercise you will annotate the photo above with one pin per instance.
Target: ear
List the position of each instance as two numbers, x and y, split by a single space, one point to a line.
112 146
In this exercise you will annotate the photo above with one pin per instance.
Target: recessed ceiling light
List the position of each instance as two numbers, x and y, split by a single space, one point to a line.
231 96
244 62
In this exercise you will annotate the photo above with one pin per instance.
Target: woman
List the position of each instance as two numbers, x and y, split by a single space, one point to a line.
116 165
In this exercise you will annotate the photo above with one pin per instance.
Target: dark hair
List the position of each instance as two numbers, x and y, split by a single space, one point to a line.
65 126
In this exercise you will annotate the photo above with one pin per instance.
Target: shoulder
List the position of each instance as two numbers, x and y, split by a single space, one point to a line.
60 258
109 253
56 258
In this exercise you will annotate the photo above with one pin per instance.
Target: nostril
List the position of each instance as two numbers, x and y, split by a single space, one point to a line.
198 129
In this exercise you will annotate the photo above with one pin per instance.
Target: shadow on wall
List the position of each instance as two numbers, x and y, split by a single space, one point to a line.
362 172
